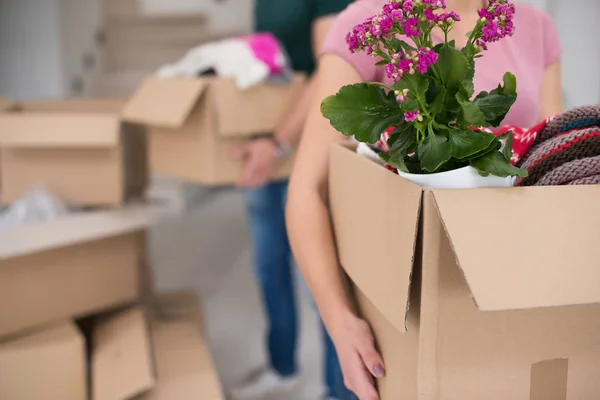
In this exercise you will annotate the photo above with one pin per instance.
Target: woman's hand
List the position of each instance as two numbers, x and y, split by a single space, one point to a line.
359 359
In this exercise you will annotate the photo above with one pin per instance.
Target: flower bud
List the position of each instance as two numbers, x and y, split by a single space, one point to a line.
420 118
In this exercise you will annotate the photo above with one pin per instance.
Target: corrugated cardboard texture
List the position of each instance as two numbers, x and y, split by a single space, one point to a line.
365 254
71 281
121 360
76 149
184 365
463 352
196 124
48 364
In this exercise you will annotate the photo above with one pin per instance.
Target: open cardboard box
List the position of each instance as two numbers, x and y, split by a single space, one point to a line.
79 150
47 364
196 124
472 294
72 266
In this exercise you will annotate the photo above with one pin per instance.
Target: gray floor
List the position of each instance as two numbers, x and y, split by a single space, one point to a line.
207 248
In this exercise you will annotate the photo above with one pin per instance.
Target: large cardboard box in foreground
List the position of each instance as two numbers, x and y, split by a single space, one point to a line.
473 294
48 364
78 149
72 266
196 124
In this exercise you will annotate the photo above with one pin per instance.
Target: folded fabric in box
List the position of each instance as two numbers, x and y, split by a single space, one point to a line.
564 150
250 60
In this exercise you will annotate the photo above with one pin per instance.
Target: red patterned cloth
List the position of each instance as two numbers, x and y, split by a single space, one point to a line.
523 139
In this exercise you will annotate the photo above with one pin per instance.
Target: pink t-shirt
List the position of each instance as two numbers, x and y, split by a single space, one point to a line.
534 46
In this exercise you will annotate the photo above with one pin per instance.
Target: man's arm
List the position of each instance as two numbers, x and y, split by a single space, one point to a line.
261 155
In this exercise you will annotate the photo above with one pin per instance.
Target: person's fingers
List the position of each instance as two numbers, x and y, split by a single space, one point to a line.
369 355
361 382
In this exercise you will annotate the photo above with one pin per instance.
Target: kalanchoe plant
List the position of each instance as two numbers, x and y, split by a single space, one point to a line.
437 124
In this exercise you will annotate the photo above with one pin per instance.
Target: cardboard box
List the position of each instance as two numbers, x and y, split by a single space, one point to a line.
80 150
472 294
184 365
48 364
71 267
195 124
121 359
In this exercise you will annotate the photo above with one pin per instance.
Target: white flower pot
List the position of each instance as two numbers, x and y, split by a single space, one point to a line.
462 178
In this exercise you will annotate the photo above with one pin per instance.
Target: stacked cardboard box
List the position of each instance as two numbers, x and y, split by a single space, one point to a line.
472 294
79 150
90 268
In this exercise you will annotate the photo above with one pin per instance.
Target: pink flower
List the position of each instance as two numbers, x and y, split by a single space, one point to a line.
410 116
411 27
449 17
426 59
429 15
498 17
408 6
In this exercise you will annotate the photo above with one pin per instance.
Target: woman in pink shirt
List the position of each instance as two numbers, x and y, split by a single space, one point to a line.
532 54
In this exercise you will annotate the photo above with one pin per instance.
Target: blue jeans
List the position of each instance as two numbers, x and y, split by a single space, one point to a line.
275 275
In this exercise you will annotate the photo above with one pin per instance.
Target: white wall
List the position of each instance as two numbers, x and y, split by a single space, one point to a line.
30 49
576 21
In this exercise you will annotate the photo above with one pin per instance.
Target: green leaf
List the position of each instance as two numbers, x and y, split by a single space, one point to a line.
453 66
494 106
470 113
494 163
417 86
467 143
401 45
437 104
433 152
362 111
469 50
510 84
382 62
403 142
468 87
394 162
508 144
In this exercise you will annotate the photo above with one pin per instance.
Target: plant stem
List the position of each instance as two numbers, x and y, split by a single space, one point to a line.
382 85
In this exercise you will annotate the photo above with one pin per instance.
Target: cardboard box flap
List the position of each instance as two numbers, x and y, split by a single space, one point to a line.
522 248
258 110
122 364
383 273
76 228
30 130
164 102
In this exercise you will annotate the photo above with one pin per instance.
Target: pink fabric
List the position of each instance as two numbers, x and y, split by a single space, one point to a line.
534 46
266 48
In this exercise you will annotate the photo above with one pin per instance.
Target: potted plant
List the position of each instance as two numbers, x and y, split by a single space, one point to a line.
434 125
